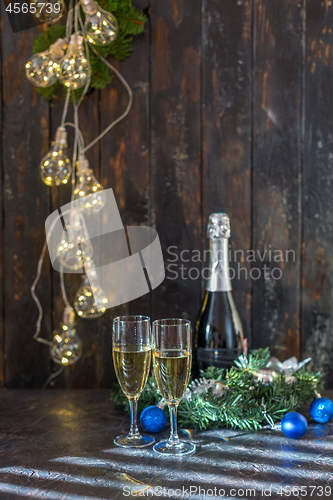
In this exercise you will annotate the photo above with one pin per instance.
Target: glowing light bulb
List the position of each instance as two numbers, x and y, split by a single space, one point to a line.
90 301
101 27
49 12
75 248
88 191
67 347
55 166
74 68
43 69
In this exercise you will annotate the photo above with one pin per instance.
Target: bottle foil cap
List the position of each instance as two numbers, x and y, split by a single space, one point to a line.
218 226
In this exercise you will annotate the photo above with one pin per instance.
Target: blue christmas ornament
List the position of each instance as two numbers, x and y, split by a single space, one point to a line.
153 419
321 410
294 425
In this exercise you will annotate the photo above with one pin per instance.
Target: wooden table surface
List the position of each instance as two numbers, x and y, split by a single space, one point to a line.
59 445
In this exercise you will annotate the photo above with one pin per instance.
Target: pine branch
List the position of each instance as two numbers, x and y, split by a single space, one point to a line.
131 23
49 92
100 73
240 405
122 47
48 37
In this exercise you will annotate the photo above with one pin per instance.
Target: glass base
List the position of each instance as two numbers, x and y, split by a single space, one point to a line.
137 442
183 448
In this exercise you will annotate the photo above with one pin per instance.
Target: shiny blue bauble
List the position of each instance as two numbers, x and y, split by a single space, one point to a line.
321 410
294 425
153 419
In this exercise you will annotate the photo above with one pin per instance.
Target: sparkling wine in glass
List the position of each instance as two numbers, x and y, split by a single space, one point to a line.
172 358
131 351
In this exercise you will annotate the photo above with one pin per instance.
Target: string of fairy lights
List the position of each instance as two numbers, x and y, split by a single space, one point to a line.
67 60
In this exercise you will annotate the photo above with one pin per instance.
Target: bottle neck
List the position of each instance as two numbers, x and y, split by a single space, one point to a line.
219 280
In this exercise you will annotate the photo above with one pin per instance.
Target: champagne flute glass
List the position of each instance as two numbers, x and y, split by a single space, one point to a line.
172 364
131 351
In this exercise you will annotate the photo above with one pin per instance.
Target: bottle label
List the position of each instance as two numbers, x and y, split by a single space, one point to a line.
219 280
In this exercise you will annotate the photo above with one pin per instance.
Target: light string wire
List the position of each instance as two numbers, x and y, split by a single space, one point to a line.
123 81
62 286
127 110
80 136
76 23
64 113
34 296
69 21
36 299
52 376
36 280
36 337
78 145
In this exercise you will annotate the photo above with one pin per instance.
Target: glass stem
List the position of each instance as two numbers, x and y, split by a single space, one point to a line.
173 438
134 431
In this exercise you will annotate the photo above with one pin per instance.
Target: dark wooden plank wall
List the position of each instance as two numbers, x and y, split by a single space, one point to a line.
2 277
276 174
232 112
227 141
176 148
317 289
126 169
25 139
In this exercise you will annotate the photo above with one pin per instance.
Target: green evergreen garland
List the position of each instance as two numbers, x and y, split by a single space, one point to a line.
131 23
244 397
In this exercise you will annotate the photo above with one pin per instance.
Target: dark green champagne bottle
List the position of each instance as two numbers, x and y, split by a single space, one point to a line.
218 336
